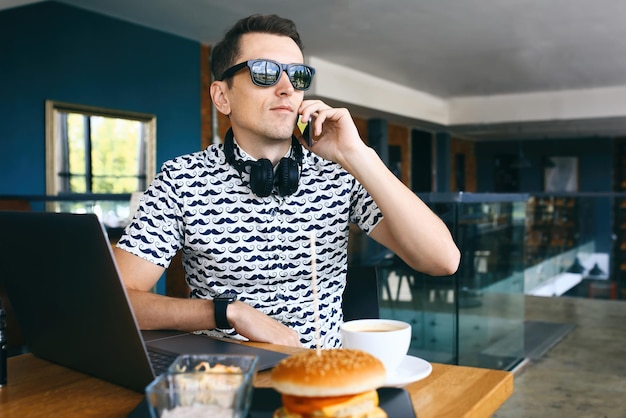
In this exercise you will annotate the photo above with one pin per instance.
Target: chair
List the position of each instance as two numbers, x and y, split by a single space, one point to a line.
360 297
15 338
175 283
14 204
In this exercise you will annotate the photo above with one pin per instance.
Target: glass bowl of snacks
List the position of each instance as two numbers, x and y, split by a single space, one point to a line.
204 385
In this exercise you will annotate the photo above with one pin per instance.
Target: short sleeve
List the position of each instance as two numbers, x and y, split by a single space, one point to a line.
155 233
364 212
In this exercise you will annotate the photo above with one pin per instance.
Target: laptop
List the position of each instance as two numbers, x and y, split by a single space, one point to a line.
60 276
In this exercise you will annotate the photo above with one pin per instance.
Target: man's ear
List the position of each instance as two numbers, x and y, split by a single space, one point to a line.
219 97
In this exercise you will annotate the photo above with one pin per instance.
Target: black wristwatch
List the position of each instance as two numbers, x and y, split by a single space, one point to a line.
221 303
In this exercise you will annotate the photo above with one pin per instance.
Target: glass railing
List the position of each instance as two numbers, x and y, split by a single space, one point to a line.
475 317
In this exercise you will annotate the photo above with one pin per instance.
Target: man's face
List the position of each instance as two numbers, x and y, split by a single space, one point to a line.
265 113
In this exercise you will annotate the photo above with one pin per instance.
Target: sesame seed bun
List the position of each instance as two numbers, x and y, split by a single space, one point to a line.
328 373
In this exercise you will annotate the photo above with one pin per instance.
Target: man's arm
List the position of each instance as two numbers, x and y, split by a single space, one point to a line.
409 228
154 311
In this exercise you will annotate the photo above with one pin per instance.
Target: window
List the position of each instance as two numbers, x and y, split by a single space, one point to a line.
96 158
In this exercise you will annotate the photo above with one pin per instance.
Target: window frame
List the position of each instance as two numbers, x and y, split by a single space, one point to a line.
53 138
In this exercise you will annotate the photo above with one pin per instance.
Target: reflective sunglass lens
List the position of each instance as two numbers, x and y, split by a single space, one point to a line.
265 73
300 76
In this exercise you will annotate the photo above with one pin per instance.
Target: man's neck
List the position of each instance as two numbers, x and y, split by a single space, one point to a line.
259 148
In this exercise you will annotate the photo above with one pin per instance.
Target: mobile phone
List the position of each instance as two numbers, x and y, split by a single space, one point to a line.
306 132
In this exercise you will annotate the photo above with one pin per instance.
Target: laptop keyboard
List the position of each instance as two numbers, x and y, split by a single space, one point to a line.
160 360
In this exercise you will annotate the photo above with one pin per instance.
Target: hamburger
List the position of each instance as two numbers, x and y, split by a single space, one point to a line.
329 383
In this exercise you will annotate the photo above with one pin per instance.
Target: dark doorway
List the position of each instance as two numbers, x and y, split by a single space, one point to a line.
506 174
421 161
459 171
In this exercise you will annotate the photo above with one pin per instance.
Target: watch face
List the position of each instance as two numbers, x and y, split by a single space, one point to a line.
229 294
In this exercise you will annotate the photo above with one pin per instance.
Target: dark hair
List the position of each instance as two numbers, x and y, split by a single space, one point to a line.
224 53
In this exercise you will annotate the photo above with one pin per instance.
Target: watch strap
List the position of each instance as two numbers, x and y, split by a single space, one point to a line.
220 307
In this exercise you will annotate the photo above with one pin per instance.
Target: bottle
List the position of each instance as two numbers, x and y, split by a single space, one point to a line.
3 346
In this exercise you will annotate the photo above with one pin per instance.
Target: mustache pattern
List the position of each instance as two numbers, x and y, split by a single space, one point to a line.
195 203
211 231
244 268
226 221
152 205
209 192
240 229
223 200
198 241
256 258
284 297
376 218
254 219
140 238
148 221
320 198
369 205
336 221
315 227
196 183
249 201
242 250
285 248
254 238
147 251
335 204
226 240
327 215
228 177
242 209
327 186
299 256
228 259
194 165
326 233
301 286
198 221
184 176
161 218
212 212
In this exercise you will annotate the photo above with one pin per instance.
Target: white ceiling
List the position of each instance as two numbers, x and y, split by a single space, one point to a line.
448 49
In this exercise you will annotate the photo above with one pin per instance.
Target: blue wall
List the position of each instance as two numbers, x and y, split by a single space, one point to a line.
53 51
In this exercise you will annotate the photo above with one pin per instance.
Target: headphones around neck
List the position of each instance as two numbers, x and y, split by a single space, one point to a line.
262 178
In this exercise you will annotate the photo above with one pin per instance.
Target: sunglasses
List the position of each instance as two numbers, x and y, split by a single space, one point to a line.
266 73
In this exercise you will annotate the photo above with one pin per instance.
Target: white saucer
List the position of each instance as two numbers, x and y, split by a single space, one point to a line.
411 369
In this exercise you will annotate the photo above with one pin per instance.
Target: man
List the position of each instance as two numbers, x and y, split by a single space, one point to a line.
248 214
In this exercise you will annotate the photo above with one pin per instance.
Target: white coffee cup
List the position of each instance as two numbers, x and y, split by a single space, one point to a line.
386 339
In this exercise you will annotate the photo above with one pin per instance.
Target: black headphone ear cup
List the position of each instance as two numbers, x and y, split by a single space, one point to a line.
262 177
288 176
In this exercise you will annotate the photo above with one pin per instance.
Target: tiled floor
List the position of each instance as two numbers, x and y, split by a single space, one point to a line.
584 375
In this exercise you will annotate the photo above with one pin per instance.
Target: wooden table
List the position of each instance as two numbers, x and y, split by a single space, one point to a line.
40 388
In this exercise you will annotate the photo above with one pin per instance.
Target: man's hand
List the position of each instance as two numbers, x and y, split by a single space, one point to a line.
335 135
256 326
